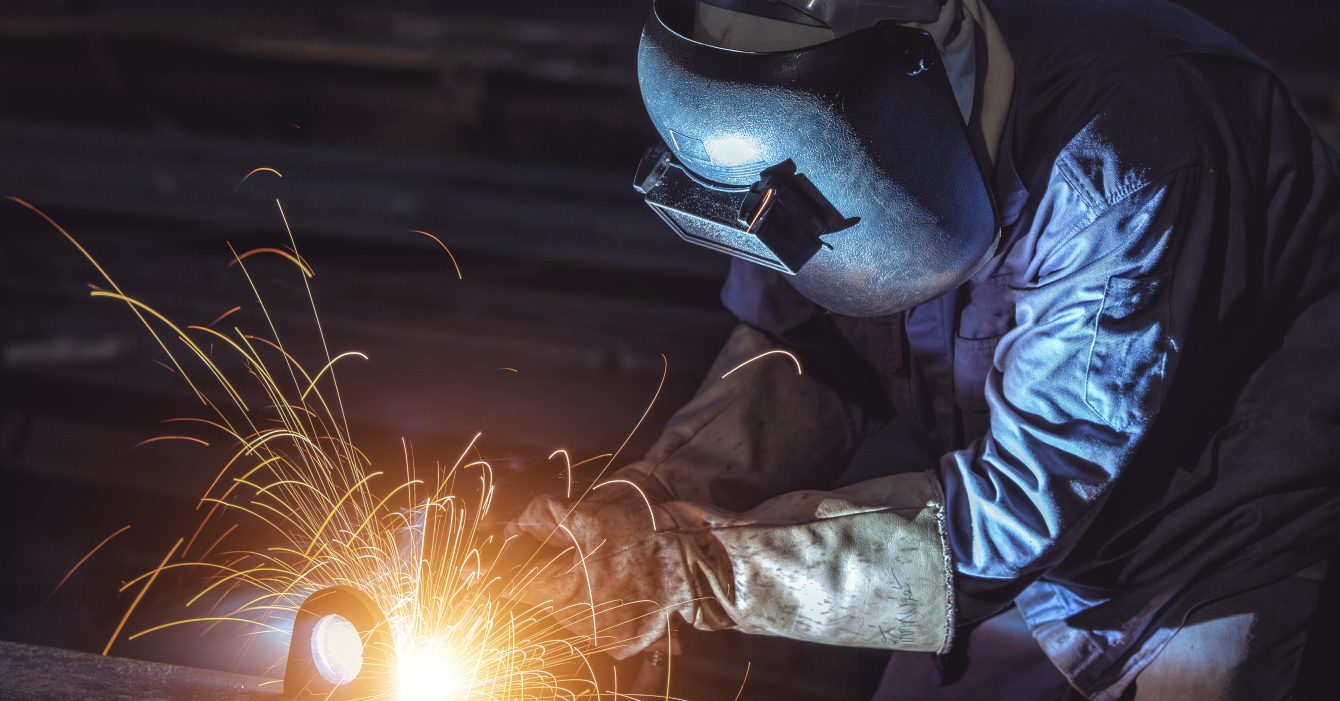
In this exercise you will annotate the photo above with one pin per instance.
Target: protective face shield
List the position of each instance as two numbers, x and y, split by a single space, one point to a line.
845 165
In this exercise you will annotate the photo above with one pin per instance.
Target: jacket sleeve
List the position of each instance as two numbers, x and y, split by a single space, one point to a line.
865 565
1074 386
782 408
762 430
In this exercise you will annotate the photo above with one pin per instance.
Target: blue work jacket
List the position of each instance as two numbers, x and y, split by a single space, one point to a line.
1135 406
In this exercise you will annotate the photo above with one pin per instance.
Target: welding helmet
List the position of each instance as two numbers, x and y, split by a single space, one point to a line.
844 164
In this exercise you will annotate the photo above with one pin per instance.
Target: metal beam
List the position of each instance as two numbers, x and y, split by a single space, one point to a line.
33 673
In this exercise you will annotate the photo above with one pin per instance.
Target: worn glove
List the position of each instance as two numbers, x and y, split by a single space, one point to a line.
623 582
867 565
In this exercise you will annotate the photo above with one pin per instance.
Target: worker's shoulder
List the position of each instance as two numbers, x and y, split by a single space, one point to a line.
1114 107
1116 90
1137 137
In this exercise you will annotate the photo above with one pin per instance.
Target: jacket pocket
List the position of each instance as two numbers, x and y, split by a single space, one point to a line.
973 358
988 316
1128 360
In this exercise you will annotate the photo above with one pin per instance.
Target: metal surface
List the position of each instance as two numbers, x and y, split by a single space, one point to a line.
51 674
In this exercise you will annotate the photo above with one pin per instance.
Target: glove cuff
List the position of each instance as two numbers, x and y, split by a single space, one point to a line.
867 566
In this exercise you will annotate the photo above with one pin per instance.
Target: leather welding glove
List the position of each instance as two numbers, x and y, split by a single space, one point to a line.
634 573
867 565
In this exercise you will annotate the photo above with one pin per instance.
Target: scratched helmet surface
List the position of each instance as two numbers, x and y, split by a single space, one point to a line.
844 164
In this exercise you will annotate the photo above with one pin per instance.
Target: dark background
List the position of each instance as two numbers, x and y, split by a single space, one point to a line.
509 129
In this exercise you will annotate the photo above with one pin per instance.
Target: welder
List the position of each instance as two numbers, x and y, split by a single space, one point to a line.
1063 280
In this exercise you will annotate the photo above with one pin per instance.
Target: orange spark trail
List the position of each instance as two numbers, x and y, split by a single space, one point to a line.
444 247
210 549
225 315
747 667
317 378
763 207
306 269
651 511
98 266
665 372
586 574
569 465
85 558
567 471
205 619
760 356
116 633
262 169
156 439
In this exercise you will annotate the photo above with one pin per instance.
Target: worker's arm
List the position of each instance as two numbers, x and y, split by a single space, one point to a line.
1076 383
737 536
866 565
765 429
780 410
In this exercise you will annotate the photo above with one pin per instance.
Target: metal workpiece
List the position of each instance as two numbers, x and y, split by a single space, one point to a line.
34 673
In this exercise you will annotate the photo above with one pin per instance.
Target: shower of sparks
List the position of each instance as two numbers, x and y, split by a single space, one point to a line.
414 543
761 356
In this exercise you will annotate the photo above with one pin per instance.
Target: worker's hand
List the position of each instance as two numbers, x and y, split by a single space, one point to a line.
620 580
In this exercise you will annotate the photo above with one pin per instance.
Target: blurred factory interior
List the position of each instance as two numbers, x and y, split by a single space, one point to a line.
510 130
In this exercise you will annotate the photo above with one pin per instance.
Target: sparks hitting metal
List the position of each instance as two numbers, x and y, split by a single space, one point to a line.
392 586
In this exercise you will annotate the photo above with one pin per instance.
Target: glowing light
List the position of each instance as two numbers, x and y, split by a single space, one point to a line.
732 150
431 674
337 649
